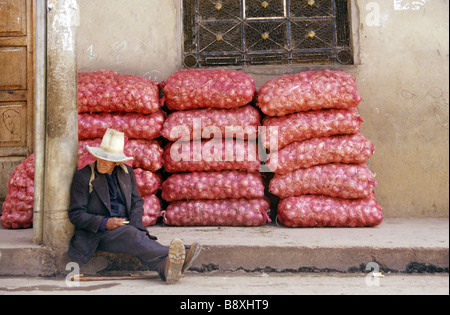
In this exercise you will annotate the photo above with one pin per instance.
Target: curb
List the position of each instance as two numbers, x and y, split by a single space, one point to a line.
397 246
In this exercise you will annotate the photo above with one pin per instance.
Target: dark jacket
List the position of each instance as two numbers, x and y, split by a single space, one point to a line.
88 207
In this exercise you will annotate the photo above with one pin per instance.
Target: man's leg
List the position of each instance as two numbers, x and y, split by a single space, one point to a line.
130 240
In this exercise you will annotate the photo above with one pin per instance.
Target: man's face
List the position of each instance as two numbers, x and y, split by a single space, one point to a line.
105 167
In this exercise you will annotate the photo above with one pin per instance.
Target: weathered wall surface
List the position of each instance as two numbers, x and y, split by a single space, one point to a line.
402 73
403 79
130 36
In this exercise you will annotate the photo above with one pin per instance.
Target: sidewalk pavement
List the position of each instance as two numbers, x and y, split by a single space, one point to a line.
221 286
396 246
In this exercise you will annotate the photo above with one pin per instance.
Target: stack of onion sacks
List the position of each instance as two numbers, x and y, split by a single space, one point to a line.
17 210
316 151
129 104
212 152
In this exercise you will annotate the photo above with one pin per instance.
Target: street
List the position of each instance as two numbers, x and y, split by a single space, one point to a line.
240 283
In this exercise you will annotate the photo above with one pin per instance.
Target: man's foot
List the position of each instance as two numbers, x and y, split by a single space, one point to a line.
191 255
174 262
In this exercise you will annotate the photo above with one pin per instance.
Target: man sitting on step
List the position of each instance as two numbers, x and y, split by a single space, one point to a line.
107 211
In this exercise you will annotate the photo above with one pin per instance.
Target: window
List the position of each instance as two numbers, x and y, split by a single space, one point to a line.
261 32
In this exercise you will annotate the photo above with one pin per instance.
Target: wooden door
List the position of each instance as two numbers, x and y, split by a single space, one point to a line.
17 42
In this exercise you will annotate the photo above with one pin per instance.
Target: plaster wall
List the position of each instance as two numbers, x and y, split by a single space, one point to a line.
130 36
404 81
402 70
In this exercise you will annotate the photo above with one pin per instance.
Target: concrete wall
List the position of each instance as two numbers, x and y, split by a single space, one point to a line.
130 36
402 73
404 80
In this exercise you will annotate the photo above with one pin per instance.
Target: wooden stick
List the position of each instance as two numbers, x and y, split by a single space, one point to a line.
83 278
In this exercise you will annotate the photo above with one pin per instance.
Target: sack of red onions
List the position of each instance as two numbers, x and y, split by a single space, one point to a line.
350 181
193 88
147 182
152 210
321 211
228 212
312 90
212 155
307 125
147 154
134 126
107 91
348 149
16 215
17 209
212 186
196 124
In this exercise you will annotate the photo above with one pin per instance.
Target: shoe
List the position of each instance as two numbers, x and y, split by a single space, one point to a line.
191 255
174 262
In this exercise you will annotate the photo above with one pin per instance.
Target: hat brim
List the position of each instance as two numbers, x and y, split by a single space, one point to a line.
107 156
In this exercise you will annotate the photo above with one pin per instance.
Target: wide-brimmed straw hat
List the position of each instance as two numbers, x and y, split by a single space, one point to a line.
111 148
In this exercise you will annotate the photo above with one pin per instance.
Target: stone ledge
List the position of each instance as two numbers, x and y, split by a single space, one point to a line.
398 245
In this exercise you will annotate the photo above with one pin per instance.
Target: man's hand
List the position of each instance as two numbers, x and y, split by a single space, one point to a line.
114 223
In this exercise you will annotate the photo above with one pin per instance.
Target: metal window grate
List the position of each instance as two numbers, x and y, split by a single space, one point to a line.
259 32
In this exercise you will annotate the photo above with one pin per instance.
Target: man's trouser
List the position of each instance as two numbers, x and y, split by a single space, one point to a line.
130 240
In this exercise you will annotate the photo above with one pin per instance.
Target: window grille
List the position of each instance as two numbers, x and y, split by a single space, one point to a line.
261 32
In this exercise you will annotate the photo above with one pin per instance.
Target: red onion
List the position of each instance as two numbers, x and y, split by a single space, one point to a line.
307 125
350 181
212 155
147 182
16 215
106 91
192 88
152 210
18 205
320 211
196 124
352 149
135 126
17 209
147 154
228 212
312 90
212 186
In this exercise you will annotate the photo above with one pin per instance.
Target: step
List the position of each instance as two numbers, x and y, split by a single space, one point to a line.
397 245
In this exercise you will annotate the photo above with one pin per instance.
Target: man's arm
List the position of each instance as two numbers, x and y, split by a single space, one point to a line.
79 200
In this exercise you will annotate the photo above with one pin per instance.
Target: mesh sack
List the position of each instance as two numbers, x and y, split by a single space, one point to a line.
312 90
107 91
321 211
228 212
192 88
